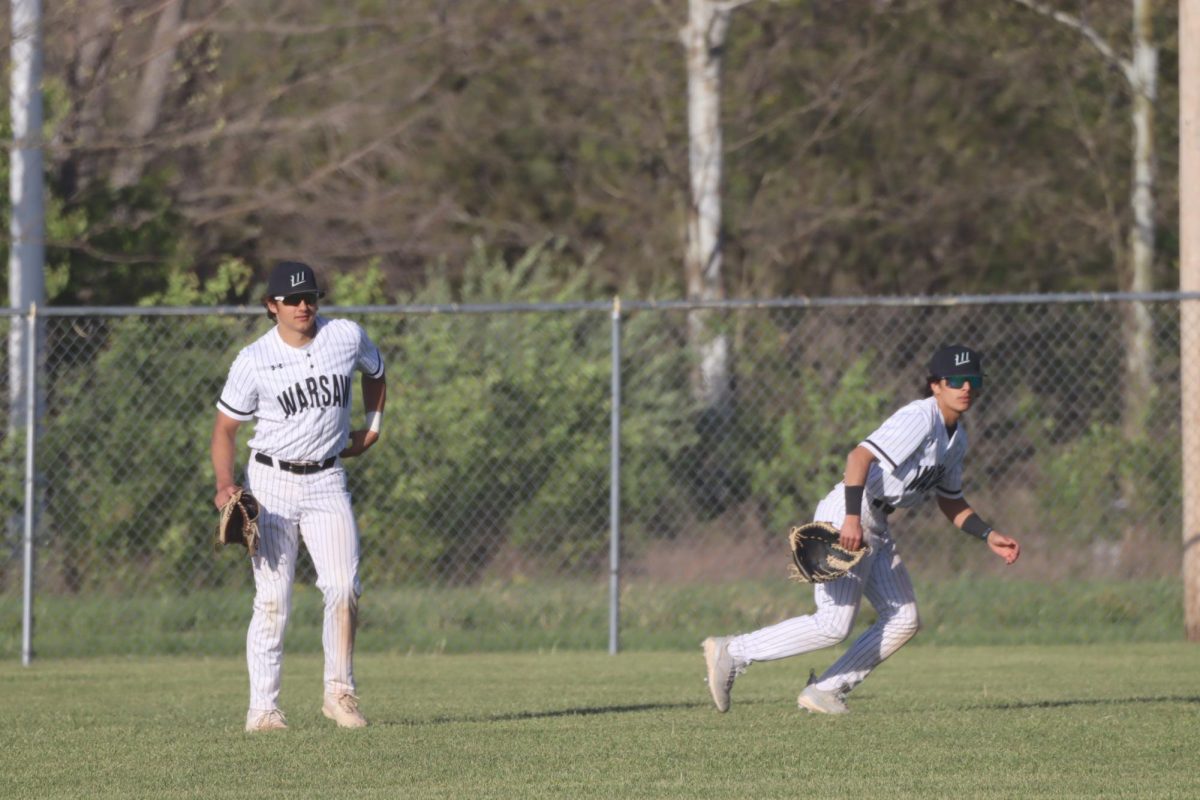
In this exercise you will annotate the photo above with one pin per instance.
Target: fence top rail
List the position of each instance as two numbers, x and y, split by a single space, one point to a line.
913 301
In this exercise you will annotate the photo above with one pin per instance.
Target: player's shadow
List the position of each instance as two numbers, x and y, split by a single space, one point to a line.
513 716
1107 701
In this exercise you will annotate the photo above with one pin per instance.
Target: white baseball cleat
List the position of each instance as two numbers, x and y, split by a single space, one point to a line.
343 709
722 671
271 720
819 701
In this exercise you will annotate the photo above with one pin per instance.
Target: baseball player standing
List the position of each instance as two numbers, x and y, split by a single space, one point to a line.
295 382
917 452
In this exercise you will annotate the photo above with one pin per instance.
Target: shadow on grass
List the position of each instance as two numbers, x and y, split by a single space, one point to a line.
514 716
1113 701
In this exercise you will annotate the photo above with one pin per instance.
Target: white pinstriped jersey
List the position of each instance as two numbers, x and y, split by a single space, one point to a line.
300 395
916 456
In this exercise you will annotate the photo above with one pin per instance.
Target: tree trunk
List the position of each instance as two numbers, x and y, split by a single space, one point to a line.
156 76
1139 333
87 76
704 37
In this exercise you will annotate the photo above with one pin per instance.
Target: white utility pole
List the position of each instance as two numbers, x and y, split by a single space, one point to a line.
27 228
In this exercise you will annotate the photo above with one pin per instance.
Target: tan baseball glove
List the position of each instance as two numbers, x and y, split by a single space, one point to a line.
239 522
817 556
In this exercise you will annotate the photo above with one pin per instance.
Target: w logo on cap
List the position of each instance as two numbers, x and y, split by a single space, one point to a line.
955 359
292 277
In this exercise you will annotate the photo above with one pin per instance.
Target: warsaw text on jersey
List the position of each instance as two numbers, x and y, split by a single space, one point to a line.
926 478
316 392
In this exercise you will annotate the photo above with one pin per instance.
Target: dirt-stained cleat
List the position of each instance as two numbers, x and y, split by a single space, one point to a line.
819 701
343 709
271 720
722 670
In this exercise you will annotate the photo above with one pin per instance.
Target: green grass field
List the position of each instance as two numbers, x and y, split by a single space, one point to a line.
1112 720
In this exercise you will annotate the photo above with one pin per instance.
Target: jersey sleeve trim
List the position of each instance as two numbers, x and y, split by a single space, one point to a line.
229 410
879 453
379 373
950 494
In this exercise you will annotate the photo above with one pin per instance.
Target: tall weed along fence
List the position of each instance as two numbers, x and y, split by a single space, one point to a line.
486 509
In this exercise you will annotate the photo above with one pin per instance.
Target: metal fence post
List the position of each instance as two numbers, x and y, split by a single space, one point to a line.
30 488
614 491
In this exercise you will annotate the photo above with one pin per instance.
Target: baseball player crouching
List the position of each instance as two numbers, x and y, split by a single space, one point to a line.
915 453
295 382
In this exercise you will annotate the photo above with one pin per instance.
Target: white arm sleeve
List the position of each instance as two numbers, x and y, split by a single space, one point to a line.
239 398
370 361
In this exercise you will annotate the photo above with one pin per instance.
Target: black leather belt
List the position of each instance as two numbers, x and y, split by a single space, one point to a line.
306 468
882 506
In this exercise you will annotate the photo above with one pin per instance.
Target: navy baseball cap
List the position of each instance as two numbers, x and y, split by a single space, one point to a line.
955 359
292 277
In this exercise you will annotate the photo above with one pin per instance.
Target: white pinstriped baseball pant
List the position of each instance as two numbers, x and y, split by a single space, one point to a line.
880 576
317 507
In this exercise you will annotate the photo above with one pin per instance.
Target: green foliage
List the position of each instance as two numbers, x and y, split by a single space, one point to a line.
104 246
495 460
232 279
806 451
358 288
12 474
1098 486
127 244
128 501
63 224
500 427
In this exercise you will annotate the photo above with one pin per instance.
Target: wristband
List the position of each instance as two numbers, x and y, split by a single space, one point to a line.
854 497
975 526
374 420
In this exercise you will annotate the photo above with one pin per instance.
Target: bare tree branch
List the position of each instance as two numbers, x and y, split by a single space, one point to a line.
732 5
1123 65
325 171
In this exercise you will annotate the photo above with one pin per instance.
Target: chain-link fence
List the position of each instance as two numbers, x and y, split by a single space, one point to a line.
485 508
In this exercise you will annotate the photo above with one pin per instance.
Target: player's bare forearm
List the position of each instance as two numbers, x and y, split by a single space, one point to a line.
957 510
223 450
374 398
360 442
858 464
374 393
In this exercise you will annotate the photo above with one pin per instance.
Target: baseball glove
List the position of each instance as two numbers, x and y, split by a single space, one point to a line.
239 522
816 555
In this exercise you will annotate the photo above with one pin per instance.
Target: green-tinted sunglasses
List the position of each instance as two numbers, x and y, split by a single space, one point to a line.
958 381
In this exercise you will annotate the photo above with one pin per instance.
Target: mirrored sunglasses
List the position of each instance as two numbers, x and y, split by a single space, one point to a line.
309 298
959 381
